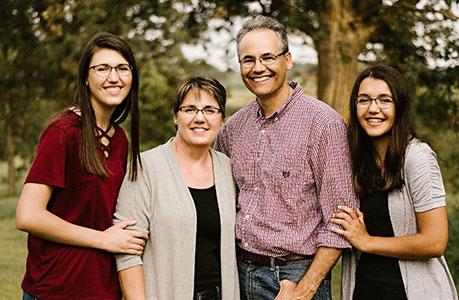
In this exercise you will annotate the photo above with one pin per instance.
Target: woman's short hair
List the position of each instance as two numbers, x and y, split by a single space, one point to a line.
196 84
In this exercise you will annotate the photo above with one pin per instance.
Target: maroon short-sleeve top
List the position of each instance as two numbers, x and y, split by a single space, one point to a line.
58 271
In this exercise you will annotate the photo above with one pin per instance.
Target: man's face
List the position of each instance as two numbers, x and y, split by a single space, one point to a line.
264 81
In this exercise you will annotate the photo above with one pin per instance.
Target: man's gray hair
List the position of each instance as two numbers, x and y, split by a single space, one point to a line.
263 22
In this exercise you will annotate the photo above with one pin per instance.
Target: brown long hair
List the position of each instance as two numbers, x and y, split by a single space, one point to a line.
367 175
91 161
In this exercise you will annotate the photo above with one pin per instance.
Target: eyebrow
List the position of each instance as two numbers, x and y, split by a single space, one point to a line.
264 54
364 94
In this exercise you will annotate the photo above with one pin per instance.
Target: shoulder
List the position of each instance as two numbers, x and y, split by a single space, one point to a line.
418 151
221 158
248 111
65 125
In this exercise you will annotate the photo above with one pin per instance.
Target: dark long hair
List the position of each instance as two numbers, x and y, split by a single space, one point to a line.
91 161
368 176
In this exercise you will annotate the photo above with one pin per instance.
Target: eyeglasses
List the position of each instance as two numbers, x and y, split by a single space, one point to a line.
103 70
383 102
268 59
208 111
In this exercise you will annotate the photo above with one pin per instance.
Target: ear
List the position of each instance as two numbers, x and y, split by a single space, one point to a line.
87 83
175 119
288 61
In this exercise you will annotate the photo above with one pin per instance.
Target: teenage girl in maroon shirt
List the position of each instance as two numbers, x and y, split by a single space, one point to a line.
69 196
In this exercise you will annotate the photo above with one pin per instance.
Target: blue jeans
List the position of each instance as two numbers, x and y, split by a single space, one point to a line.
211 294
26 296
261 282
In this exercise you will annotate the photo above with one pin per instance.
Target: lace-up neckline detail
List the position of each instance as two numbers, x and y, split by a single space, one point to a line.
105 140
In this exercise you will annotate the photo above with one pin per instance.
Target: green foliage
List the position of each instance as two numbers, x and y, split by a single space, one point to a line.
452 251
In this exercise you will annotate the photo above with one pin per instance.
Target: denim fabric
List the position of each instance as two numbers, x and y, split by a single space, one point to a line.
212 294
26 296
260 282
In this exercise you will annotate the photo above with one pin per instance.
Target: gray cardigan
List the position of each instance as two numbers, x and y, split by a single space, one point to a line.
424 279
162 205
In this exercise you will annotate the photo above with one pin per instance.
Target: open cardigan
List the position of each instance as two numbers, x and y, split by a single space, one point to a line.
162 205
424 279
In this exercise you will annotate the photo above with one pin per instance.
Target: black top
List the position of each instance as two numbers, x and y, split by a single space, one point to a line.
207 263
378 277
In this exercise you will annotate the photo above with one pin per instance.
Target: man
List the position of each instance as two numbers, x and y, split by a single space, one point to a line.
289 156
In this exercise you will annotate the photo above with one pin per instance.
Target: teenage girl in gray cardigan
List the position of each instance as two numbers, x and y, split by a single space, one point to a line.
404 232
184 198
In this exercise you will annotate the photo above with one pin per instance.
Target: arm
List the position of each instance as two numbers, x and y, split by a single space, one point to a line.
306 288
430 240
33 217
132 283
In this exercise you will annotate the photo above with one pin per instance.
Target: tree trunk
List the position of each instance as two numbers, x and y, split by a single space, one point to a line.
338 54
10 151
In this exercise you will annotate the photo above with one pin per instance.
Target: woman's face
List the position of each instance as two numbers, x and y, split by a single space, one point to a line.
198 128
108 91
376 122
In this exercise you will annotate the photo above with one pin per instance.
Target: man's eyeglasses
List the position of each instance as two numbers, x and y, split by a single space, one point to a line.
383 102
268 59
191 110
103 70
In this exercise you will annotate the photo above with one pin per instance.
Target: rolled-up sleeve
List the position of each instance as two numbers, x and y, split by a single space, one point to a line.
333 175
134 203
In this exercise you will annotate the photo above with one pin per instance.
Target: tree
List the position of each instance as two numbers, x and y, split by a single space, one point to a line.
342 31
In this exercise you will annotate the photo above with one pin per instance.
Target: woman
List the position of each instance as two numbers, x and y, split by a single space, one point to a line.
68 200
404 233
184 199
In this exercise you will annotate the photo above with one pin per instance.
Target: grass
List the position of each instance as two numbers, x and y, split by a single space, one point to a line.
13 251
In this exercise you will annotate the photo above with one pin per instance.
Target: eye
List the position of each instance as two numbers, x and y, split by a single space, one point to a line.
210 110
248 60
189 109
386 100
102 68
363 100
123 68
268 58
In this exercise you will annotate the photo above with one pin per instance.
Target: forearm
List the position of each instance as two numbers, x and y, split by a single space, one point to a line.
48 226
323 262
133 283
414 246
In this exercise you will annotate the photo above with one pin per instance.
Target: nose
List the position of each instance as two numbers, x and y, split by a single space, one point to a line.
113 76
258 67
199 117
373 106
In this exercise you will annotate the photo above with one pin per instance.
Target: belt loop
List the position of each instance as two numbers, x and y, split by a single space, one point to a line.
272 263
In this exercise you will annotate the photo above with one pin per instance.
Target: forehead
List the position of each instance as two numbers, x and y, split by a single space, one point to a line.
374 87
258 42
203 97
107 56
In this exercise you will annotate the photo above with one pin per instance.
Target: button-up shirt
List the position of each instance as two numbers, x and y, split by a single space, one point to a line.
292 170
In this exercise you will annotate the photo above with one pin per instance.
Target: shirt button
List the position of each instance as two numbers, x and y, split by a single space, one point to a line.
276 118
258 159
246 244
247 216
262 131
255 189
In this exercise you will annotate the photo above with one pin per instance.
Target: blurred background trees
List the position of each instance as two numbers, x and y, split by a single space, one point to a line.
41 41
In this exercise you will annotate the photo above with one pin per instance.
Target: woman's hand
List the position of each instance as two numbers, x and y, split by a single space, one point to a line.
354 229
117 239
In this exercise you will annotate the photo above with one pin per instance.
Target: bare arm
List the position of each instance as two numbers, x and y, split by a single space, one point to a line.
430 240
33 217
132 283
306 288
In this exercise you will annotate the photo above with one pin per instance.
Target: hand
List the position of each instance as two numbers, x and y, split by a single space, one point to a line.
287 291
117 239
354 227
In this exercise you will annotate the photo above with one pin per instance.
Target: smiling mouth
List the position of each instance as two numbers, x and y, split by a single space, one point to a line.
375 121
261 79
199 129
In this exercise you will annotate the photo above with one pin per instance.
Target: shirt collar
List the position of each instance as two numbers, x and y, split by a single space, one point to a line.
297 90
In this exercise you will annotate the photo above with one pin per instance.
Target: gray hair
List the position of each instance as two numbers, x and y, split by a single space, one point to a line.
263 22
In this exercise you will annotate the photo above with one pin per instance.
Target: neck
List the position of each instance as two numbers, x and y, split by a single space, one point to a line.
271 103
191 154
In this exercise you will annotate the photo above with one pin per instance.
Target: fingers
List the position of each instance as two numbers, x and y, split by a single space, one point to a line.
125 223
